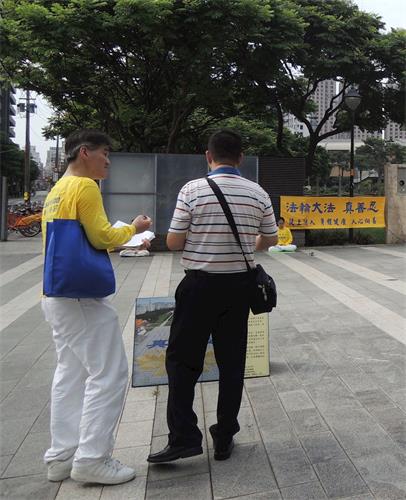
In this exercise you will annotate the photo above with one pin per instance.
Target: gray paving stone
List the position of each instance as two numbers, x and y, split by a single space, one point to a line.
29 457
288 337
281 440
275 428
138 410
360 497
28 487
358 432
386 374
134 490
162 394
141 394
398 396
340 478
266 495
70 490
393 420
374 399
37 377
248 433
263 396
306 491
357 380
42 423
196 487
198 464
291 467
134 457
13 433
160 424
385 474
209 394
321 447
306 364
10 371
306 421
4 461
246 472
134 434
24 402
283 378
296 400
332 393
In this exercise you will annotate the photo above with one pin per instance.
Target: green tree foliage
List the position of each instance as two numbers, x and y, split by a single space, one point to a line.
376 153
12 165
158 75
138 69
347 45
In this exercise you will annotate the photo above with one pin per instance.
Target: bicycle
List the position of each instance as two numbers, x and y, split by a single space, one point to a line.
24 221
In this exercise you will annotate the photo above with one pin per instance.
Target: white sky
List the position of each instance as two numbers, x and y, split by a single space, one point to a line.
393 13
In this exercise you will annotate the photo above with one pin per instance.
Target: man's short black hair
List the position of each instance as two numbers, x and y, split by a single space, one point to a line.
281 219
225 145
88 137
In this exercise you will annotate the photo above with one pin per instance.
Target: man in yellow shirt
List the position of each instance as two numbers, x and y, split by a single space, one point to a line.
285 238
91 375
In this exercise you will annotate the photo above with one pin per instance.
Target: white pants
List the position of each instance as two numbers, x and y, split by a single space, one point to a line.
90 379
283 248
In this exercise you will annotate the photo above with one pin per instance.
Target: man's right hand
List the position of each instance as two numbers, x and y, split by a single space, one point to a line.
142 223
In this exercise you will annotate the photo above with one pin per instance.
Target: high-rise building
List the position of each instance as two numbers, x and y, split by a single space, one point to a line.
295 125
359 135
51 158
395 132
322 97
7 111
36 157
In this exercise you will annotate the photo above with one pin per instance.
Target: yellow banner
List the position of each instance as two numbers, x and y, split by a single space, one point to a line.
332 212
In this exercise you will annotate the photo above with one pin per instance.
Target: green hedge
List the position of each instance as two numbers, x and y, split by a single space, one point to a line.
323 237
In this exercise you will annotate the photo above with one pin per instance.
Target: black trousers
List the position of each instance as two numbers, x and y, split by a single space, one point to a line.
215 304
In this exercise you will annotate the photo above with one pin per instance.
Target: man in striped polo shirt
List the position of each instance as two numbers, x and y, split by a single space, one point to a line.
212 297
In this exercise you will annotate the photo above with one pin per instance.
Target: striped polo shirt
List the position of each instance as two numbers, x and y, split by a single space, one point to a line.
210 244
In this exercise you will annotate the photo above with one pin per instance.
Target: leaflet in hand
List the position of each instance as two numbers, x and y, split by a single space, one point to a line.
137 239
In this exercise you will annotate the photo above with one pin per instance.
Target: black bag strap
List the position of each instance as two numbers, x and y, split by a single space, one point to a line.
229 216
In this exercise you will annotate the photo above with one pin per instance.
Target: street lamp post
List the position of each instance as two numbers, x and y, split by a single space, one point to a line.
352 100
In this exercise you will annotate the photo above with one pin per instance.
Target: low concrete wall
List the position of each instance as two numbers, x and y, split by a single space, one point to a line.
395 210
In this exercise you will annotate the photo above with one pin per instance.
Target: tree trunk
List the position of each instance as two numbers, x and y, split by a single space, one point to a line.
279 136
310 156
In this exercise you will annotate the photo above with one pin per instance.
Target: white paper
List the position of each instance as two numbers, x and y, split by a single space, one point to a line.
137 239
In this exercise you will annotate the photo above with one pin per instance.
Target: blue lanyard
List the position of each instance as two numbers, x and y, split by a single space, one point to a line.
225 170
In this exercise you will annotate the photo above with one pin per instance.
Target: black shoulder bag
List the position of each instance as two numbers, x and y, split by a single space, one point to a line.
262 289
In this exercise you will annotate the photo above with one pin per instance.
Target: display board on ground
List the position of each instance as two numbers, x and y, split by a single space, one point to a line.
153 316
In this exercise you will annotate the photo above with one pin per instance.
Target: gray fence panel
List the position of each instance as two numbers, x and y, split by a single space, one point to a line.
149 184
173 171
131 187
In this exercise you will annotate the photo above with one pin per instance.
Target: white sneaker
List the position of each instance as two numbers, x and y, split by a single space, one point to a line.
111 471
58 470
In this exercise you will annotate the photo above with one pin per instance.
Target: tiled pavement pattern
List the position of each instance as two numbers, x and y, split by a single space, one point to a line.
330 421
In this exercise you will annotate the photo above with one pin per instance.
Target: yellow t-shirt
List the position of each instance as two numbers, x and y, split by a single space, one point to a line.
284 236
79 198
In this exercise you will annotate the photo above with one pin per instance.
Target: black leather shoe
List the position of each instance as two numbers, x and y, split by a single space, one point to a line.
171 453
222 448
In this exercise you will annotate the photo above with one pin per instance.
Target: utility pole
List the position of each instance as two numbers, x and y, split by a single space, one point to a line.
27 187
57 156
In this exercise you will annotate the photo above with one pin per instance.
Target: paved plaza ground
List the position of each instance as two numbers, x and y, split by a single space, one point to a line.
330 421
